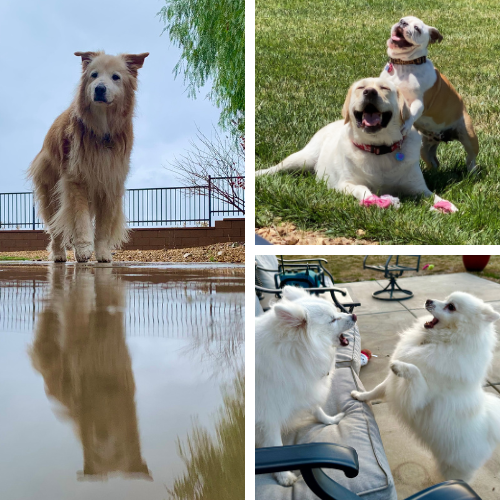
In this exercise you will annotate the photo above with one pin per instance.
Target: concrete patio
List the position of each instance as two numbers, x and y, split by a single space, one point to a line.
380 322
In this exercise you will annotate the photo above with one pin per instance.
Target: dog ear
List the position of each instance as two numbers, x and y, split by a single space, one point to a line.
435 36
294 293
135 61
345 109
87 57
290 315
490 315
404 110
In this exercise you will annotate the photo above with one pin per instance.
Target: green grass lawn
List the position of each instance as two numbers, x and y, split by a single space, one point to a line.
308 53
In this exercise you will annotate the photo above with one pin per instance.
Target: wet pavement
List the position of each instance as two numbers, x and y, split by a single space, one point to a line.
121 382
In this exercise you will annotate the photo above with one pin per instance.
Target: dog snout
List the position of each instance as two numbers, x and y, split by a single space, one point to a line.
403 23
354 318
100 92
429 303
370 93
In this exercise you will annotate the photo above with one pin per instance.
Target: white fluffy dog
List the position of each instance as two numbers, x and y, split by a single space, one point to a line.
435 384
295 346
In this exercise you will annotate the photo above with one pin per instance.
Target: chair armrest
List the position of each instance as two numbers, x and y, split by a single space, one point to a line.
449 490
309 458
279 291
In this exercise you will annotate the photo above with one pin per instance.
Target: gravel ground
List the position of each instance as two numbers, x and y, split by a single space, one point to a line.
288 234
220 252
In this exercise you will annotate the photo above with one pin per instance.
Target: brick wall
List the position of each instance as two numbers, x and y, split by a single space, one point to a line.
226 230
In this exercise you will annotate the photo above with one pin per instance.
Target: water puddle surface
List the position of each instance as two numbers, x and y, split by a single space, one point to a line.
121 383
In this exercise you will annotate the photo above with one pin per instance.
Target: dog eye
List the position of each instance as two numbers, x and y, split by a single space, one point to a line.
451 307
116 77
385 88
94 74
417 29
334 319
360 88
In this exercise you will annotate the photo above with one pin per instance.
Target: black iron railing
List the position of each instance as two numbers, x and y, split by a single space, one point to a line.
150 207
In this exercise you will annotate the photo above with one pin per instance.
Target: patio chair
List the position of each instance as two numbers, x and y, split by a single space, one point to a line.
392 272
312 458
271 275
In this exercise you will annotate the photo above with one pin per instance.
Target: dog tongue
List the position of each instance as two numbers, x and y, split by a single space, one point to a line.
432 323
396 38
372 119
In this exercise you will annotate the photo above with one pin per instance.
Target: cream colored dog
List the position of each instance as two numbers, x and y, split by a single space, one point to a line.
80 172
435 384
437 111
365 152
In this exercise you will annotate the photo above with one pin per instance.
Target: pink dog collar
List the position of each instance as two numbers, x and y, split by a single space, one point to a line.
380 150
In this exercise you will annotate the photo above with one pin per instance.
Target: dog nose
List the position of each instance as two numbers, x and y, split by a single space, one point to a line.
100 90
370 92
354 318
428 303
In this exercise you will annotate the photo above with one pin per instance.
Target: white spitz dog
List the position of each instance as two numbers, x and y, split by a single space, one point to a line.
295 346
435 384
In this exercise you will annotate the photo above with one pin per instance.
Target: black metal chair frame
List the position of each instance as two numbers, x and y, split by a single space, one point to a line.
317 265
311 458
392 272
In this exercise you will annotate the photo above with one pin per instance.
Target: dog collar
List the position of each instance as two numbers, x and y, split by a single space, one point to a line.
381 150
418 60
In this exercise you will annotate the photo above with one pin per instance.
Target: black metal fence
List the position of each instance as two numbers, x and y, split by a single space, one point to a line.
150 207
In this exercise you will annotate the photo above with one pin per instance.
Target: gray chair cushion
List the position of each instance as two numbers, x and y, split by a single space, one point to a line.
357 429
350 355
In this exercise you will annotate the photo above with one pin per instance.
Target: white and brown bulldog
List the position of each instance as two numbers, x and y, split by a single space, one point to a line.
437 111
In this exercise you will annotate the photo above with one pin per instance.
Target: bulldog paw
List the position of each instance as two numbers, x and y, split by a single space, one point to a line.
405 129
360 396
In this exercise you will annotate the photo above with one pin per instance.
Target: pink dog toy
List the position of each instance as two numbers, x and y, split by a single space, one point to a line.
444 206
384 201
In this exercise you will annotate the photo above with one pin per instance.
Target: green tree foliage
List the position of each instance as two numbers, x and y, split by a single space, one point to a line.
211 34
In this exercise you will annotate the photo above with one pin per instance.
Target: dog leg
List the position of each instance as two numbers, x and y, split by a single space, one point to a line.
468 138
73 219
358 191
47 209
428 152
417 390
376 393
322 417
301 160
416 110
110 228
272 437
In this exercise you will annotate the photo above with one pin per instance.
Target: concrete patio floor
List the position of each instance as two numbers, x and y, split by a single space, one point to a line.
413 467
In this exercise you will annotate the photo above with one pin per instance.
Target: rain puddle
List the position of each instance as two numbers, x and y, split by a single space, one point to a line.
121 382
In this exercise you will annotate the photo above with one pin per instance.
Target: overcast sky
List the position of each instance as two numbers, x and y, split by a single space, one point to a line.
40 75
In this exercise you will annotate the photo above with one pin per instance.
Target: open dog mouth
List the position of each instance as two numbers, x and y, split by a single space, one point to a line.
371 120
398 38
432 323
343 340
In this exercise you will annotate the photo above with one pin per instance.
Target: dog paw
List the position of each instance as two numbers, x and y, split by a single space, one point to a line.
83 252
285 478
360 396
401 369
58 257
104 256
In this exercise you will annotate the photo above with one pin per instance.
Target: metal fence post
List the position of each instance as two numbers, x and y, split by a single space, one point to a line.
34 215
209 201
